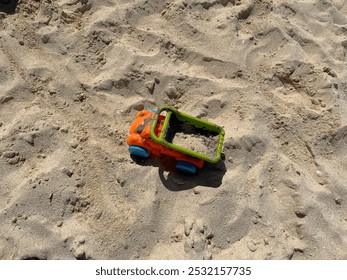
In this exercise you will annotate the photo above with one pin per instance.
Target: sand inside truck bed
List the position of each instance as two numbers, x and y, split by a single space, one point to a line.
195 139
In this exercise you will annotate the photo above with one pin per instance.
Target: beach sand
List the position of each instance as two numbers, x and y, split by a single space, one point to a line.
75 73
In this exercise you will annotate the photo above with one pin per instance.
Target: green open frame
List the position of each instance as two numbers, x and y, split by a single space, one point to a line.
196 122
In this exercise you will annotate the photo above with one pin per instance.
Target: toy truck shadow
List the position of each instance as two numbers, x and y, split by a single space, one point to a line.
8 6
211 175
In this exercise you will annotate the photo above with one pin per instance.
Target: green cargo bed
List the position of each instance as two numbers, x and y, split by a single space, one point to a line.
189 135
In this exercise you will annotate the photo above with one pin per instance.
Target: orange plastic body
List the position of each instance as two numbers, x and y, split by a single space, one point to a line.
140 136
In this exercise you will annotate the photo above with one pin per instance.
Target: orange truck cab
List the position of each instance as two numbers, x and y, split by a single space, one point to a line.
141 144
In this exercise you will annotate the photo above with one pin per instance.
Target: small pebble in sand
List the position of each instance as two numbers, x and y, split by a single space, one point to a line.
29 138
171 92
150 86
319 174
252 247
55 127
74 144
80 183
67 171
85 203
81 97
80 254
14 160
9 154
188 225
338 201
14 220
45 39
59 224
196 191
209 234
82 240
52 92
138 106
315 102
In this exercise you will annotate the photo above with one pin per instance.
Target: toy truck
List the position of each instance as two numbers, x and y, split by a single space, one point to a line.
154 132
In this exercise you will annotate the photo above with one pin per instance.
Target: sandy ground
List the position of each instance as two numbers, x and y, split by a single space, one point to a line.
73 75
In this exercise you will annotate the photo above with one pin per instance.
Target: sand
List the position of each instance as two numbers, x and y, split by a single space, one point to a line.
75 73
205 145
195 139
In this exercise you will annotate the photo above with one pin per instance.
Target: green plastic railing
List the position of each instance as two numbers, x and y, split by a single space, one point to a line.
196 122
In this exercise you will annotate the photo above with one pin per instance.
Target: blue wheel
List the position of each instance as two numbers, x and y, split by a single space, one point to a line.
139 151
149 109
186 167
